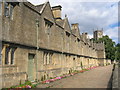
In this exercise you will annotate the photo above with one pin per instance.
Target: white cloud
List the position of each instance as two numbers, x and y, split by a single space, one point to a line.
113 33
90 36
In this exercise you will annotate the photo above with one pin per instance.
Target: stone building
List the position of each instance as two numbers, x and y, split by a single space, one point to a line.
38 44
98 34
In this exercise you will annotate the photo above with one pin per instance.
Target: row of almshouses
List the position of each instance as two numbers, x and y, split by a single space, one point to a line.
36 46
22 29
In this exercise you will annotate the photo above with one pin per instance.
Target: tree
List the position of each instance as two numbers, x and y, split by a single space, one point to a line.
117 53
109 46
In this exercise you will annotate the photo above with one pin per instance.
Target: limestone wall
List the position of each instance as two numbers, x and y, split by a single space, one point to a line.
53 47
20 30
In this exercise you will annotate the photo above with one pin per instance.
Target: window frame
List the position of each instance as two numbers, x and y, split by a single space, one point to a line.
8 10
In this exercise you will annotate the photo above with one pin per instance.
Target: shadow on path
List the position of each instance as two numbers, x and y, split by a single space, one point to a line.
109 86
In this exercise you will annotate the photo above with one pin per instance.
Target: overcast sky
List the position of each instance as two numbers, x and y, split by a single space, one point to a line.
90 15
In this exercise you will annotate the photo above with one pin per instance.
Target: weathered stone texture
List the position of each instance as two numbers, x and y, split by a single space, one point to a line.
45 42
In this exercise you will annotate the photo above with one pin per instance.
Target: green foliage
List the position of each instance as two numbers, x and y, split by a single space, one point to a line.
85 69
34 85
109 46
117 53
26 83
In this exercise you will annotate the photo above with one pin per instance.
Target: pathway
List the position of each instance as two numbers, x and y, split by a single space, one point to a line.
95 78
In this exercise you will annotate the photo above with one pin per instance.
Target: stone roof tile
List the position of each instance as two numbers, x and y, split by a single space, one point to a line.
37 8
60 23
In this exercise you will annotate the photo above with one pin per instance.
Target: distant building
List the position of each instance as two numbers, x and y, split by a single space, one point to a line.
98 34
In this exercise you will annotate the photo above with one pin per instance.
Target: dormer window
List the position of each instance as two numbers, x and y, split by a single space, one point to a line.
8 12
6 9
67 34
48 25
11 11
78 39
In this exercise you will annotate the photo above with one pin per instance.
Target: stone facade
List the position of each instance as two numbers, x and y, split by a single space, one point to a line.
38 44
98 34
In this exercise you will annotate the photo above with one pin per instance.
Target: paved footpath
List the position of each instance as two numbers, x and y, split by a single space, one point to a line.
95 78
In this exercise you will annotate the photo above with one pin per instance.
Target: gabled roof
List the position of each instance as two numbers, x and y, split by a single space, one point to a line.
43 7
31 6
67 22
37 8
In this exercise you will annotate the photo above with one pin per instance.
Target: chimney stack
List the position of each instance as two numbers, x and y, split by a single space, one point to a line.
85 35
57 12
74 26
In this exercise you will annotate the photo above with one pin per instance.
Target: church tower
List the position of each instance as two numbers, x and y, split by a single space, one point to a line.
98 34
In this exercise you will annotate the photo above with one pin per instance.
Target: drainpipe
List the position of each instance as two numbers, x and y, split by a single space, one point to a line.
37 27
62 52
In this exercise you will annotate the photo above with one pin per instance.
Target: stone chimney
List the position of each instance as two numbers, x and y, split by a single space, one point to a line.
85 35
75 29
74 26
57 12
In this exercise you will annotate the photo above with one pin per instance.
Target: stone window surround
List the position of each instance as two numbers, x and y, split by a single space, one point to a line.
8 59
48 24
47 58
8 10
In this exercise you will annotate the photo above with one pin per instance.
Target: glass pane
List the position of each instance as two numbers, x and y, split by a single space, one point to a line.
11 11
12 55
6 9
31 56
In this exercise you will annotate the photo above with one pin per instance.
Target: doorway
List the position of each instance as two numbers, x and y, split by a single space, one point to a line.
31 67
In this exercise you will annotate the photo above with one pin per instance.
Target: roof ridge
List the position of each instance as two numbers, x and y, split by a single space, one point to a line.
43 6
39 5
30 5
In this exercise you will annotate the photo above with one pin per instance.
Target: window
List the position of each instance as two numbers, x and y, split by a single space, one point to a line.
47 58
12 55
78 39
67 34
48 25
9 10
73 58
6 10
44 58
50 57
31 56
9 55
